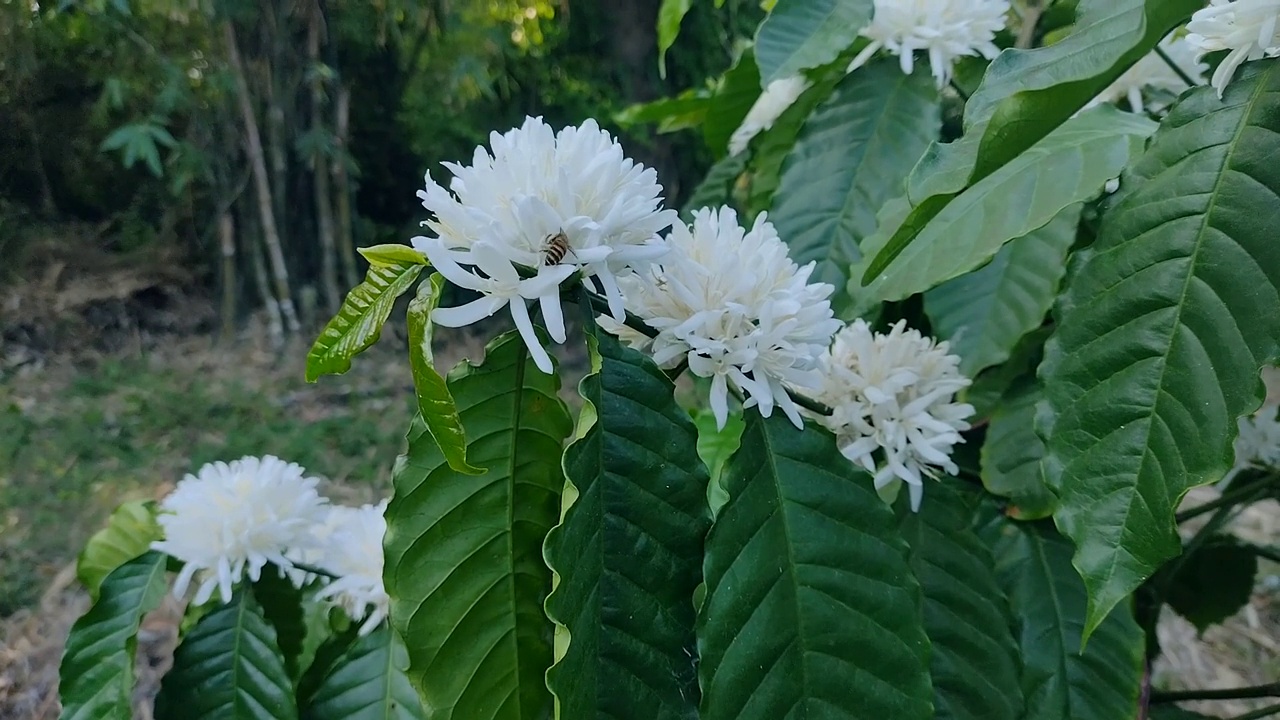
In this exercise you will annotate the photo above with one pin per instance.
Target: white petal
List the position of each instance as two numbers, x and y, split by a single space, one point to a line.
442 260
494 263
553 315
474 311
520 314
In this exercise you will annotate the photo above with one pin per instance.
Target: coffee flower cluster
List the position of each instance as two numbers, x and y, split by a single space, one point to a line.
539 209
946 30
1247 29
229 521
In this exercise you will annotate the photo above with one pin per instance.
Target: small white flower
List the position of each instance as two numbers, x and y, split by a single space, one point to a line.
775 99
1152 72
1247 28
732 304
946 29
231 519
511 207
353 552
892 401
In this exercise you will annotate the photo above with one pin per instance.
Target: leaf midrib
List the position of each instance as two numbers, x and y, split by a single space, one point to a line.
1177 322
512 463
1058 614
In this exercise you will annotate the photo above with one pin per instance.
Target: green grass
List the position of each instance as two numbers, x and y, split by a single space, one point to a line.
73 448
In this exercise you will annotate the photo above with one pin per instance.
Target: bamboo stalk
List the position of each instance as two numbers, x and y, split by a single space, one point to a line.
345 239
320 172
270 233
227 242
275 321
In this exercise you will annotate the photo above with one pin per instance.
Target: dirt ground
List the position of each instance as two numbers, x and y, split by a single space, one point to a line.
70 347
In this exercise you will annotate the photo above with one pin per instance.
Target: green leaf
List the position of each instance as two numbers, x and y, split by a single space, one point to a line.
281 604
392 255
1162 332
715 447
435 402
367 682
464 561
734 96
670 15
686 110
771 147
811 609
628 550
851 156
130 531
802 34
96 677
1025 95
1070 165
717 187
984 313
974 662
228 666
359 321
1212 582
1012 455
1047 600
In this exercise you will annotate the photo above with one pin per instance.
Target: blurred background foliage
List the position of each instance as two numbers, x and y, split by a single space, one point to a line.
260 141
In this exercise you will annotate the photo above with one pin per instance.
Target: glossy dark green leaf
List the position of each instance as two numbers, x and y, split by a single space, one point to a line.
770 148
1012 455
803 34
97 673
984 313
715 447
435 403
281 604
1025 95
1047 601
359 321
734 96
228 666
1162 332
1068 166
851 156
974 662
130 531
811 608
367 682
1212 582
628 551
464 561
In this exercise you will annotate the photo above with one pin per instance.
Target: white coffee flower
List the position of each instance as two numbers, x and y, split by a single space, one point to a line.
946 29
776 98
553 202
353 552
1152 72
1247 28
231 519
892 398
737 309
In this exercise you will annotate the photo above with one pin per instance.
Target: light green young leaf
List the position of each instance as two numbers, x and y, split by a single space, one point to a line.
715 447
1162 331
810 599
359 321
802 34
392 255
96 677
628 550
435 402
1070 165
464 561
670 14
130 531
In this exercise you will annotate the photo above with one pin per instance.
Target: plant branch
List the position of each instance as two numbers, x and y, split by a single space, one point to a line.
1174 67
1265 551
1267 711
1231 497
1241 693
1030 19
308 568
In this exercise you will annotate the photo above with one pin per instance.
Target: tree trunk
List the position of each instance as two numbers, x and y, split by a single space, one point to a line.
275 323
320 172
346 236
227 243
270 233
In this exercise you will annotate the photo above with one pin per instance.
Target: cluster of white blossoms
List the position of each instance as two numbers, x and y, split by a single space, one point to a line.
1153 72
1245 28
776 98
722 299
892 400
945 29
551 204
731 303
229 520
1258 444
